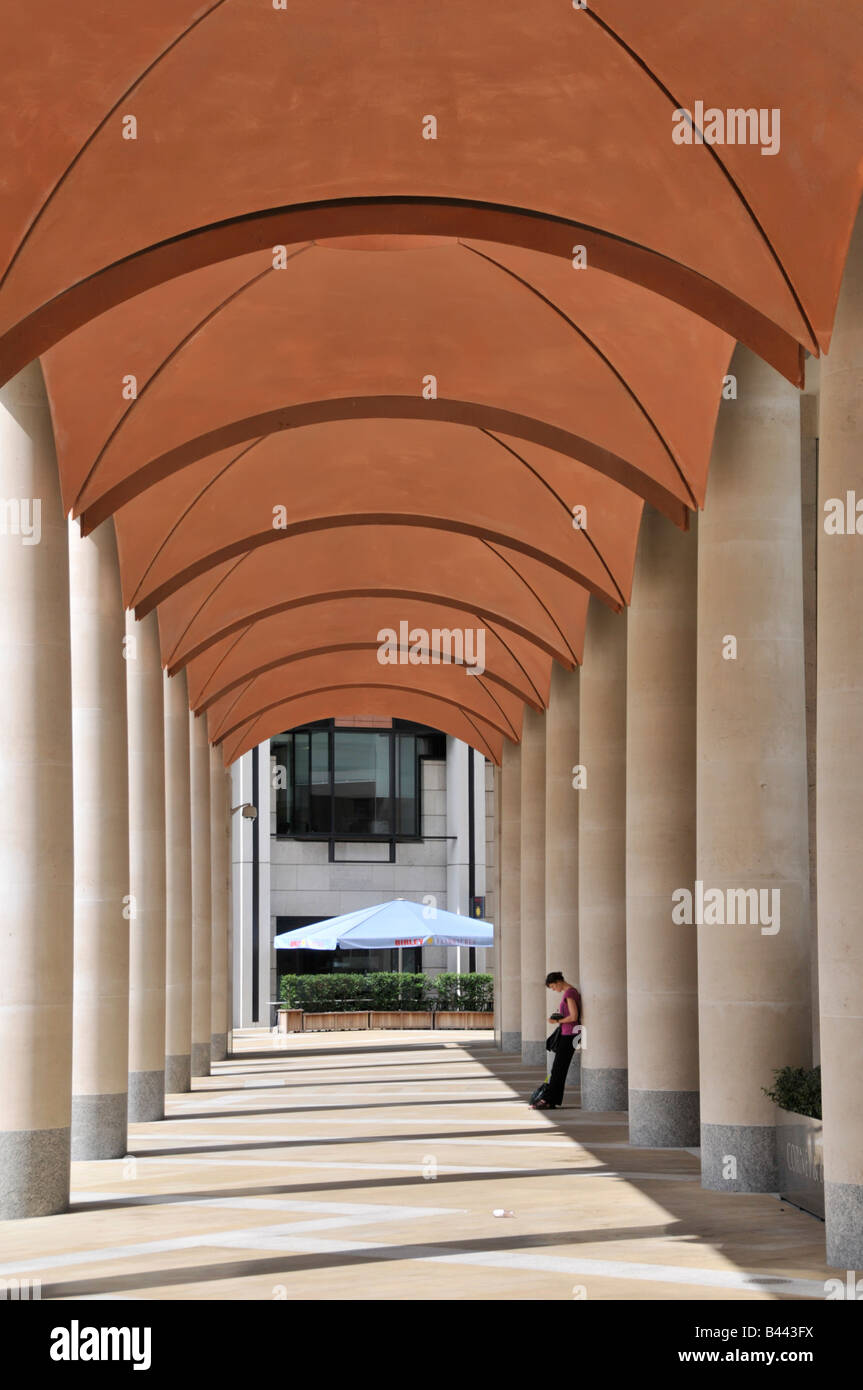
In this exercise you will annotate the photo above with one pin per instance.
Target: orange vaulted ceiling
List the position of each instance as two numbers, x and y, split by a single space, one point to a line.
601 371
255 126
351 624
449 684
492 585
439 477
330 376
284 410
362 701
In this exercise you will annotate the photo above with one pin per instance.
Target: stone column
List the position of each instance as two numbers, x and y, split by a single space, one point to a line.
100 750
229 902
752 854
178 880
458 833
561 824
242 788
36 853
602 861
561 834
146 869
840 767
496 957
508 926
811 525
202 917
219 897
534 1012
661 972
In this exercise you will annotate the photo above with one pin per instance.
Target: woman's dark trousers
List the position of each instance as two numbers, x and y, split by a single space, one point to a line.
562 1059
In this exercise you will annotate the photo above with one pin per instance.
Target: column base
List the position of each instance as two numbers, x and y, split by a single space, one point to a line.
200 1059
99 1126
34 1172
178 1074
664 1119
843 1209
573 1076
604 1088
218 1047
533 1054
146 1096
739 1158
510 1042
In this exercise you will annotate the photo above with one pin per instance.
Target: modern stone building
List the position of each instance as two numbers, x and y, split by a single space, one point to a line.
425 835
484 323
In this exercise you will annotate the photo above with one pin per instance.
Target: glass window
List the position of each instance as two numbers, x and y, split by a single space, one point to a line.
302 779
282 749
352 782
319 792
406 809
363 803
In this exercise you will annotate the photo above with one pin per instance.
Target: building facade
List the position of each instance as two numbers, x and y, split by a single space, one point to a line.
353 813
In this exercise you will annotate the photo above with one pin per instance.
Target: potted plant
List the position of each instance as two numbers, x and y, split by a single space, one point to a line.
796 1093
399 1000
464 1001
290 1016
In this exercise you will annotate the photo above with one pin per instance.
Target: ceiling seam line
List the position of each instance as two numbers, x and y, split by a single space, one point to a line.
323 412
165 363
323 524
532 591
478 733
750 211
600 354
241 633
154 375
582 530
531 682
310 652
204 601
359 685
95 132
533 638
239 695
191 505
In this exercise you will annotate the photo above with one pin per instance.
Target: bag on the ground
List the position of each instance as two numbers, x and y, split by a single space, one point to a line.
541 1093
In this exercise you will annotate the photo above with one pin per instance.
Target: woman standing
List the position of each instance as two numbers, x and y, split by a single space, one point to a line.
569 1017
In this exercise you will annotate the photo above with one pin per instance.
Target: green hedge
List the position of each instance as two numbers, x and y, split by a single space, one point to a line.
797 1089
353 993
464 991
386 989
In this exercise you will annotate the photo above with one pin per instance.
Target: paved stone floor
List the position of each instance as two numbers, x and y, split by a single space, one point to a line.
370 1166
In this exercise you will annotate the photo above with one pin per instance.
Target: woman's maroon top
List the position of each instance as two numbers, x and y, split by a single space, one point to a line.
567 1027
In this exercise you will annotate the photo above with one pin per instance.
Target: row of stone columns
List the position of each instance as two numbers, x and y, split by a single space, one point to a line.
114 823
686 734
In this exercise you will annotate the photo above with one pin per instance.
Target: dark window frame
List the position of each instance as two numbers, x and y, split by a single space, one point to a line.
398 731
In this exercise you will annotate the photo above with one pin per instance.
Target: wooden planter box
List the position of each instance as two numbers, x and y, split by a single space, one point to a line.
800 1162
335 1022
290 1020
400 1018
464 1018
